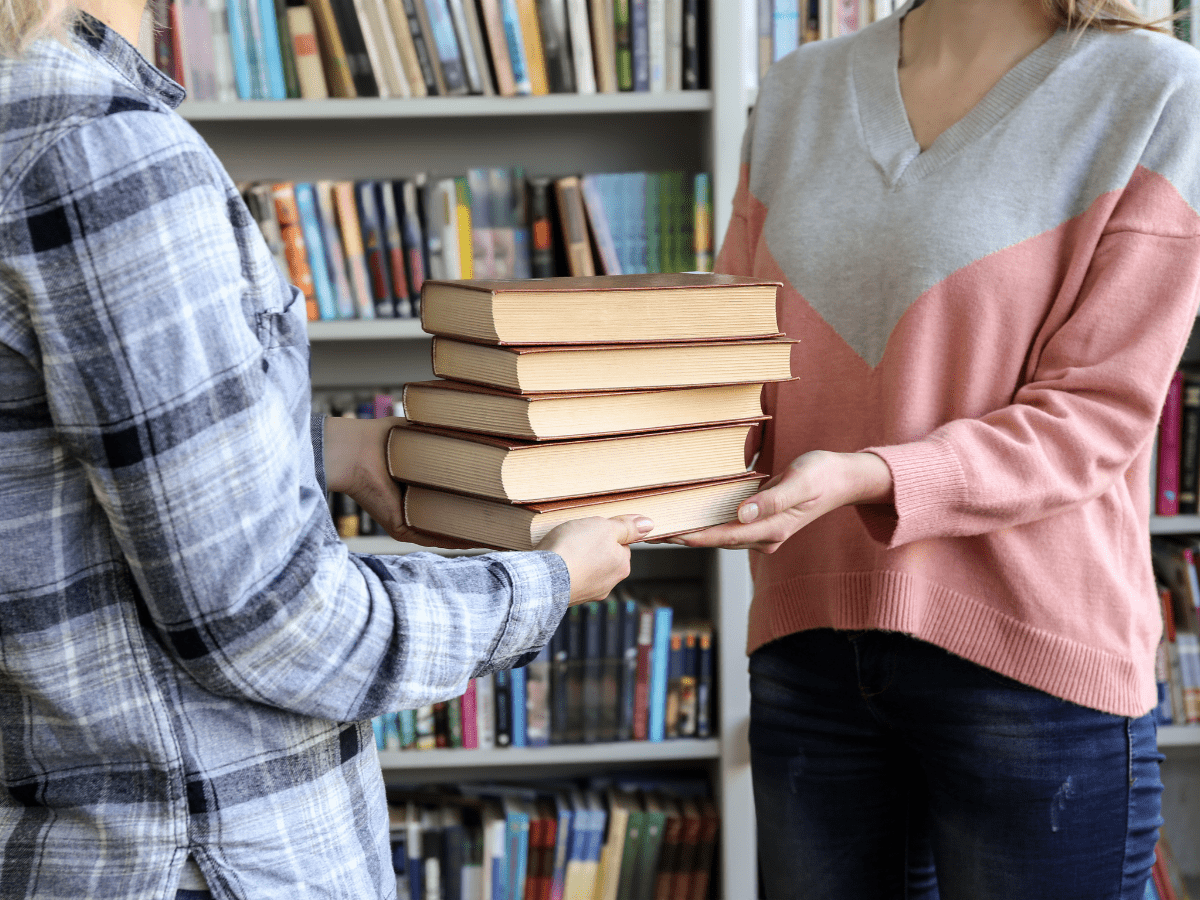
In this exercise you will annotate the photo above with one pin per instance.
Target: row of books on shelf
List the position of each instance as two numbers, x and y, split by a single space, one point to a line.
1177 668
363 249
632 667
314 49
783 25
636 838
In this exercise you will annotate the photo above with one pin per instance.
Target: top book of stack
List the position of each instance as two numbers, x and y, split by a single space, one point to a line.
601 309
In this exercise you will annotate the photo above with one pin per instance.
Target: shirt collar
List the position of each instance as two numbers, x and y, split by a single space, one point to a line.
121 55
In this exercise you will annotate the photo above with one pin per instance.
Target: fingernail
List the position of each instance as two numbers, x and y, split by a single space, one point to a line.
643 525
748 513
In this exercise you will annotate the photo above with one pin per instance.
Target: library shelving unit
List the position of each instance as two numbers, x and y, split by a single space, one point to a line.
1180 744
559 134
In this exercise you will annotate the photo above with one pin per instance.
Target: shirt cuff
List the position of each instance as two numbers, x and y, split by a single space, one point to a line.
541 587
317 433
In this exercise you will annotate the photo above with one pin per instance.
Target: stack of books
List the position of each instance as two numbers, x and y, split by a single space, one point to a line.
562 398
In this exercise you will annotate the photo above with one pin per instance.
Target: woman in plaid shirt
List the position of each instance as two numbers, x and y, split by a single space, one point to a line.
189 656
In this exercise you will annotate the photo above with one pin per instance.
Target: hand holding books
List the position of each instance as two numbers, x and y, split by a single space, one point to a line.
596 551
813 484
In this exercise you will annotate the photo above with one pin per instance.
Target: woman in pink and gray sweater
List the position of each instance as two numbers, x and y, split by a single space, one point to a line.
984 217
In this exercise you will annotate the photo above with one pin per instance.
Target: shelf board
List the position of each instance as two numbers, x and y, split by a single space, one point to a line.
1174 524
1179 736
366 329
447 107
616 752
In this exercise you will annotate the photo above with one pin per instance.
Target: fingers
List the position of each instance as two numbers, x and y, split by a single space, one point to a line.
632 527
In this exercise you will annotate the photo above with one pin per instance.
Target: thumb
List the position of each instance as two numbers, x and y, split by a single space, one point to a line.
632 527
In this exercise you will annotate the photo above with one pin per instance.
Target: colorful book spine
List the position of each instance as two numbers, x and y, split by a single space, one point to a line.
660 657
1169 439
306 203
272 53
469 717
294 248
516 47
338 272
237 46
520 712
352 246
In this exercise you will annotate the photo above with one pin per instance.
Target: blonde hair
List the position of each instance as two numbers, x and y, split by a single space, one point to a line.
1105 15
24 21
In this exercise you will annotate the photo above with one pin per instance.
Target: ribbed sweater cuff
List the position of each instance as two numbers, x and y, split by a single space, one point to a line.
928 483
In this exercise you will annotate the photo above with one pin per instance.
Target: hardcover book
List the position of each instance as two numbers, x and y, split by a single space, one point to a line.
522 472
608 367
510 526
553 416
647 307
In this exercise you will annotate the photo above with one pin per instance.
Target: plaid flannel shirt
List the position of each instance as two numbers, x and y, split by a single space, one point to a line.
189 657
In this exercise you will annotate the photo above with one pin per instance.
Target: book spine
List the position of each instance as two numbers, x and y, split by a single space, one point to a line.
237 46
542 248
629 664
674 683
520 224
307 53
639 39
556 46
338 75
660 658
222 51
413 240
306 203
598 217
380 281
535 58
519 719
272 53
1169 434
426 52
502 695
295 250
406 49
445 43
537 699
407 721
485 712
339 277
610 670
200 73
469 717
691 45
593 651
355 42
471 70
623 35
393 250
462 227
656 46
641 696
558 684
493 25
287 50
352 245
516 47
688 678
702 227
581 46
704 684
454 722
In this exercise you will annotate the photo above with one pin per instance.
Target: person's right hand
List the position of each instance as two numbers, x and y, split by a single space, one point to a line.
596 551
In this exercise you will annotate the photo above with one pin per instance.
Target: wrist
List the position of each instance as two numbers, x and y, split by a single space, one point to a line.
870 479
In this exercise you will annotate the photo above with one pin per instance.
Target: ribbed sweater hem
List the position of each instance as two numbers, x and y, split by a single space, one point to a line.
903 602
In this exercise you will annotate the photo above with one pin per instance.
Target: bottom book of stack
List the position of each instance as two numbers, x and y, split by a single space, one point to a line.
633 839
674 509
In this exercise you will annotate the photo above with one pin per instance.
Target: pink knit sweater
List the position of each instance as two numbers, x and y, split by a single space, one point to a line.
997 317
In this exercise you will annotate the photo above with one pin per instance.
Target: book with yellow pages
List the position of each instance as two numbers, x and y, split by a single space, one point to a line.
510 526
601 309
613 367
554 416
527 472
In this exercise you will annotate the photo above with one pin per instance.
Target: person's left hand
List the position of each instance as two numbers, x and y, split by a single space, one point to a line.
355 453
812 484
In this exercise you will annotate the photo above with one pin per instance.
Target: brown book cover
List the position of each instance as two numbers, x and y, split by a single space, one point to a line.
688 845
604 50
641 691
706 851
552 416
681 306
527 472
333 50
668 856
520 526
607 367
572 216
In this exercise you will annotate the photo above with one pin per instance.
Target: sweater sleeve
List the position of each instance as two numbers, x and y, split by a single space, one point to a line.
1091 402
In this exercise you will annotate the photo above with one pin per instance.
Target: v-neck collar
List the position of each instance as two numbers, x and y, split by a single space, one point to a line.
883 117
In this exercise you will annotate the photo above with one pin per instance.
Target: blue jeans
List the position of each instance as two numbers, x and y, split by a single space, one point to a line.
888 769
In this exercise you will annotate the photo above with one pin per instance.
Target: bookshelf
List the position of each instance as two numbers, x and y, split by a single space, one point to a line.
548 135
